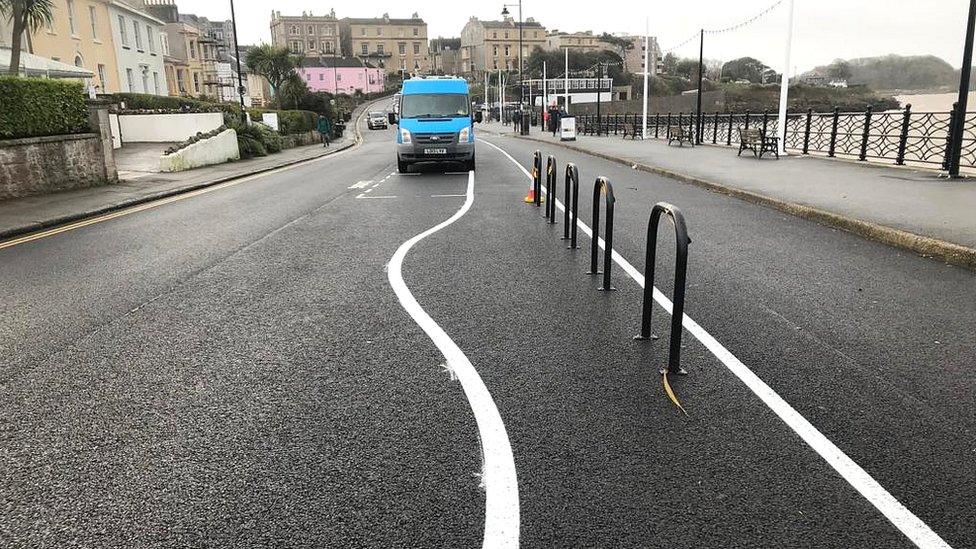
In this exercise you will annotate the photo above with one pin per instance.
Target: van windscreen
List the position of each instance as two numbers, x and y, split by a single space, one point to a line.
434 105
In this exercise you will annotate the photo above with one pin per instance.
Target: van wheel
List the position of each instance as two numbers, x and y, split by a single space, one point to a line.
402 167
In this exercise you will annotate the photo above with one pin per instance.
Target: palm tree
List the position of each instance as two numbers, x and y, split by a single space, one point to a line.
273 63
25 16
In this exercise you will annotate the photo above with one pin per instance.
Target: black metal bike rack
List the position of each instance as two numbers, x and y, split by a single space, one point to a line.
602 184
550 189
537 177
680 269
571 211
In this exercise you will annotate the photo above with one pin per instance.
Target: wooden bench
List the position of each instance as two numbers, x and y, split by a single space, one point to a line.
636 128
681 135
758 142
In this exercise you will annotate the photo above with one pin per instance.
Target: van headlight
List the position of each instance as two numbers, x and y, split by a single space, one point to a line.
464 136
405 136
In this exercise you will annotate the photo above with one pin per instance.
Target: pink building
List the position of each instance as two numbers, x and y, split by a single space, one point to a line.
321 74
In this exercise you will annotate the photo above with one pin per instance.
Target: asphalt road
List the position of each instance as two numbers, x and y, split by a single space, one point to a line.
236 370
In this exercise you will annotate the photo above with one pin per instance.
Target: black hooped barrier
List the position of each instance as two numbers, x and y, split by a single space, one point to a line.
571 210
680 268
602 184
550 189
537 177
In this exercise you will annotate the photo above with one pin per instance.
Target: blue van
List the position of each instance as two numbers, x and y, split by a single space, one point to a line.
435 122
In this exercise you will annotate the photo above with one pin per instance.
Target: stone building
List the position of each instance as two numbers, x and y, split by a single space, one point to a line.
577 41
306 34
397 45
494 45
136 36
445 56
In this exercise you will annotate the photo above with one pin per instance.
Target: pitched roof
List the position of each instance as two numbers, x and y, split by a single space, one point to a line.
510 24
382 21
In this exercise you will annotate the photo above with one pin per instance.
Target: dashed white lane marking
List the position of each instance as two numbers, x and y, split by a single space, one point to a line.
501 484
362 195
446 195
899 515
360 185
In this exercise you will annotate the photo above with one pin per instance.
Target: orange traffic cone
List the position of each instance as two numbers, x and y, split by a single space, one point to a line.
530 198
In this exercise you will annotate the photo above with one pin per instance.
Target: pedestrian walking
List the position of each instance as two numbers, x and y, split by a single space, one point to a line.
517 121
324 129
556 117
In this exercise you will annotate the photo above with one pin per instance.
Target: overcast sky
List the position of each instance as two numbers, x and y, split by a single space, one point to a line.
825 29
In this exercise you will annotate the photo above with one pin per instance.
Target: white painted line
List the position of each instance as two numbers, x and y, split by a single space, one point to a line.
913 527
368 191
501 484
360 185
446 195
373 197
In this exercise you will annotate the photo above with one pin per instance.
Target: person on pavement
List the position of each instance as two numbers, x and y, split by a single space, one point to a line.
324 129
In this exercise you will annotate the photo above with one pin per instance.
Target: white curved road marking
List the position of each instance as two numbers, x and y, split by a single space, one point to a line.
501 485
899 515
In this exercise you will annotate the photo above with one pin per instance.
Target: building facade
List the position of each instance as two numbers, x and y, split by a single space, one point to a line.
577 41
342 75
631 50
80 34
138 52
445 56
494 45
396 45
306 33
185 60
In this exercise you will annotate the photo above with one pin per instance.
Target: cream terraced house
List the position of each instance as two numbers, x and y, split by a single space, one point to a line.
137 37
80 34
306 34
392 44
494 45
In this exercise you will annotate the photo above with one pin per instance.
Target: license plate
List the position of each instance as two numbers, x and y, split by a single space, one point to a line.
435 151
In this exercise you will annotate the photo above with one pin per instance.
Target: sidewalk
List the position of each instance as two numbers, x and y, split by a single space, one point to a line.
910 208
24 215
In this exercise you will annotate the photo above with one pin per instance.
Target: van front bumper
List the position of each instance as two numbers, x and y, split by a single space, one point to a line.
429 152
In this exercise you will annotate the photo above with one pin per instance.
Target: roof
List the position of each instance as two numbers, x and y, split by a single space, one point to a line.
329 62
35 65
510 24
435 85
382 21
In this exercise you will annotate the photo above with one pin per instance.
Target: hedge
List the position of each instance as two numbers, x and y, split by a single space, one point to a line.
135 102
290 122
35 107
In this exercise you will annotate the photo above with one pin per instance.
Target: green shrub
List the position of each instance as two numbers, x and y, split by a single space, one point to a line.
149 102
250 141
289 122
34 107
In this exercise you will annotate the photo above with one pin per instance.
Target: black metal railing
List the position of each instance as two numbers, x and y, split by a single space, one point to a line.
897 137
537 178
602 185
550 188
680 270
571 207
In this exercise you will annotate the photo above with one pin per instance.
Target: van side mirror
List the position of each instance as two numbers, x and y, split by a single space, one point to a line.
478 118
392 117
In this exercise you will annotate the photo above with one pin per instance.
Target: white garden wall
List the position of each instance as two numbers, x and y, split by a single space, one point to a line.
166 128
216 150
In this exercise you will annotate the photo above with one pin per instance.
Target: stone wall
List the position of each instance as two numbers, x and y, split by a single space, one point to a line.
43 165
301 139
216 150
711 101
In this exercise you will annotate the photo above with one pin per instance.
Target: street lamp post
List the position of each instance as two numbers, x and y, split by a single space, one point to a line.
961 106
525 116
237 50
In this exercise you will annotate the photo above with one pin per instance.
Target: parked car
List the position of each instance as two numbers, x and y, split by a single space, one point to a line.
376 119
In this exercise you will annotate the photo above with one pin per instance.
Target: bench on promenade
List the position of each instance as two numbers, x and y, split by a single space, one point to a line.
758 142
635 128
681 135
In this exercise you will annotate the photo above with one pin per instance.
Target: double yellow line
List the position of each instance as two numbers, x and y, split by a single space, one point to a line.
169 200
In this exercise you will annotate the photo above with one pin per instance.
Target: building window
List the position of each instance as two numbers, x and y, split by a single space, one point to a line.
379 31
145 80
338 77
326 31
416 31
196 82
156 82
403 64
102 78
508 51
365 48
362 31
506 35
311 45
416 48
71 18
495 50
379 48
129 79
123 33
181 80
494 34
164 40
137 34
193 50
321 77
149 38
294 29
308 77
402 48
94 21
311 30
